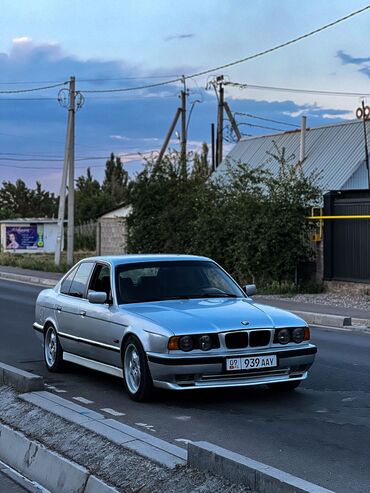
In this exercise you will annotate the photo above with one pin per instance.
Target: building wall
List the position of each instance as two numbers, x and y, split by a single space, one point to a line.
112 236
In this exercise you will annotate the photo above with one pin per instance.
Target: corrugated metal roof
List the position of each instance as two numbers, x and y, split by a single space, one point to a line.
335 151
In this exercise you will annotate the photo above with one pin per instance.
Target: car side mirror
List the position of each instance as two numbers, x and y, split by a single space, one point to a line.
250 289
97 297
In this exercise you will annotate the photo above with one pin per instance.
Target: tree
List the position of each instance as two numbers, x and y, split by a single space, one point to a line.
20 201
115 183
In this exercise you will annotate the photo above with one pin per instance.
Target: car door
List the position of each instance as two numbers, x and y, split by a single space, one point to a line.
99 335
67 306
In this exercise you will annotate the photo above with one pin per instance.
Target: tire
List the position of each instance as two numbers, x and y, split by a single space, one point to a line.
284 386
136 374
53 352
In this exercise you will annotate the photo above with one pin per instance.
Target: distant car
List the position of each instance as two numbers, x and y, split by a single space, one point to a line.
170 321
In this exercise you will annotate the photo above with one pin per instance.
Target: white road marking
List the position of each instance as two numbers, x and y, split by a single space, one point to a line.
55 389
148 427
321 411
183 418
112 411
83 400
183 440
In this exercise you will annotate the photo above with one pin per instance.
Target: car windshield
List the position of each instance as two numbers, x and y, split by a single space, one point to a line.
171 280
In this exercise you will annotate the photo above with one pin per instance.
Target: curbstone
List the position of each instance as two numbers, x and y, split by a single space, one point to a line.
40 281
95 485
324 319
21 380
39 464
240 469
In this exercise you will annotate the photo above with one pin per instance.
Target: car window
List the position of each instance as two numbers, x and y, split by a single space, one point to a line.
79 283
166 280
66 284
100 280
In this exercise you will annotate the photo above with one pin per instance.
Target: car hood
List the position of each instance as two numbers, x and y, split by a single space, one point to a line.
212 315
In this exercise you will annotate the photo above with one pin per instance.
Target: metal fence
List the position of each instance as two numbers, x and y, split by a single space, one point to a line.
347 241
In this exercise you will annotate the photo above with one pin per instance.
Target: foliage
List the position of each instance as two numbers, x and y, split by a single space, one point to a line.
17 200
250 221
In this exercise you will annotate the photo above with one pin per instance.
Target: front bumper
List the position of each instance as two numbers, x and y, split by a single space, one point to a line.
181 372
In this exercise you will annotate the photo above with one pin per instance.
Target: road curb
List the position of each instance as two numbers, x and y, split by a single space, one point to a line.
39 281
47 468
324 319
240 469
21 380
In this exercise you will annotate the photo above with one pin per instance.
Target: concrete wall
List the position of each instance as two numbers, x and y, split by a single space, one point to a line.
111 236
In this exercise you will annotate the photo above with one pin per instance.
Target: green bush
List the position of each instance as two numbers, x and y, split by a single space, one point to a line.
251 222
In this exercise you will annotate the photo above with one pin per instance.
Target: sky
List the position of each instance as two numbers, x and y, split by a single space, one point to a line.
129 43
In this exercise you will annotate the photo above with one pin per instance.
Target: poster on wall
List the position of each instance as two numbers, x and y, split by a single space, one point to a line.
25 237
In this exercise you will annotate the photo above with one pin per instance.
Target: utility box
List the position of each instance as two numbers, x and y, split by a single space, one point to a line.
36 235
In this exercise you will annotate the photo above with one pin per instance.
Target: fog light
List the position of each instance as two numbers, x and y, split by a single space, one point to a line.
186 343
205 343
298 334
283 336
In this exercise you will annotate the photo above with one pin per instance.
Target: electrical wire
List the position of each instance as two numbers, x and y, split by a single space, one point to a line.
32 89
236 62
260 126
249 115
291 89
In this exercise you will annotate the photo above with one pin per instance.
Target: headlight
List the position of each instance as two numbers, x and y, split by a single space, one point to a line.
186 343
205 342
283 336
298 334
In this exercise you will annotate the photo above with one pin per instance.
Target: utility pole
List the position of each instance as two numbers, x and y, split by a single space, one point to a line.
220 121
71 173
232 121
213 146
180 111
364 113
183 125
63 184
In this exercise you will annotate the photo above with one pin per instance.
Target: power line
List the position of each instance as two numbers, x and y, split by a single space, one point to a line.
95 79
291 89
265 119
259 126
241 60
42 88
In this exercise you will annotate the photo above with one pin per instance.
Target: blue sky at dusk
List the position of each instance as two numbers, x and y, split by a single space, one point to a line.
125 43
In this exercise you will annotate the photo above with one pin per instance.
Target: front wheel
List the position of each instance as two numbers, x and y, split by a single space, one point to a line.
53 352
284 386
137 378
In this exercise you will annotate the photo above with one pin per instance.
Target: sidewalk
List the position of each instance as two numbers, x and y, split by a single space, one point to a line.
291 305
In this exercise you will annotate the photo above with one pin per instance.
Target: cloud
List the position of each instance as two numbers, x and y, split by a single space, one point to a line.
363 62
133 122
180 36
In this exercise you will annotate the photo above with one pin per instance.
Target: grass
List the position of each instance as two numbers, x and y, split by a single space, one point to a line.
290 288
39 261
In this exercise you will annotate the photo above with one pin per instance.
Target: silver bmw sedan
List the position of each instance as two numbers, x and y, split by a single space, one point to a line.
169 321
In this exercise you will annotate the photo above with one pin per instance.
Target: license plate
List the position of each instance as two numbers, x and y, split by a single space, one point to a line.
251 362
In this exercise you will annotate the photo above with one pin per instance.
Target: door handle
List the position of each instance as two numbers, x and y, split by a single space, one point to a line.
59 308
82 313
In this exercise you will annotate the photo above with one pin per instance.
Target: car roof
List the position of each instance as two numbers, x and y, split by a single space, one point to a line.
136 258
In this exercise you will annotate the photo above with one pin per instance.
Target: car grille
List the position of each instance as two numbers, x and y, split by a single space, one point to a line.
236 340
259 338
240 340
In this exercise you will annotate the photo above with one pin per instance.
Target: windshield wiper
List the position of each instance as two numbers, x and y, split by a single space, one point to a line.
217 295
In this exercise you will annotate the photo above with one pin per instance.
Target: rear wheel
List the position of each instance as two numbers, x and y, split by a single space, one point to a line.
137 378
53 352
284 386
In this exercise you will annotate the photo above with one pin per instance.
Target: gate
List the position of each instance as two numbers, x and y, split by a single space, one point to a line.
347 241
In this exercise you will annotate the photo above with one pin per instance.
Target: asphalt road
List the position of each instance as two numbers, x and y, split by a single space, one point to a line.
320 433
